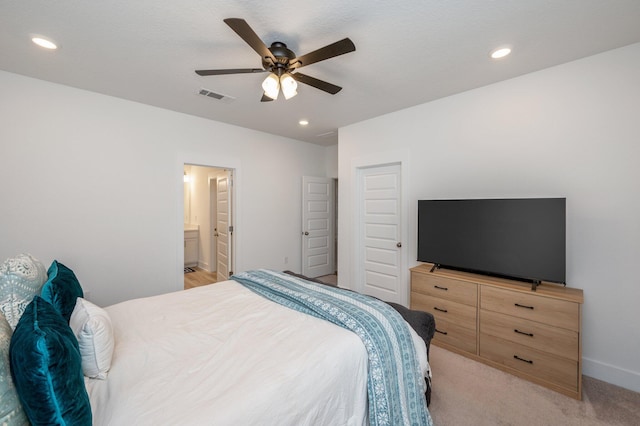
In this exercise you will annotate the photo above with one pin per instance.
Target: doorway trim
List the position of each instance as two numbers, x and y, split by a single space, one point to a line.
213 219
380 159
214 161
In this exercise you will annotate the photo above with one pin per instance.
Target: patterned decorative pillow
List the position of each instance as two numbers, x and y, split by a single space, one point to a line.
11 412
21 278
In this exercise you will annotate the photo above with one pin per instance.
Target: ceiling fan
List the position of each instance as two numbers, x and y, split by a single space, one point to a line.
282 64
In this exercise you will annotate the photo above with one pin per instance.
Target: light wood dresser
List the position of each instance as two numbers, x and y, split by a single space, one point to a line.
535 335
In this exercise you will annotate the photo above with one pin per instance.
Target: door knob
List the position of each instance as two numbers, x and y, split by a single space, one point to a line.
306 233
399 245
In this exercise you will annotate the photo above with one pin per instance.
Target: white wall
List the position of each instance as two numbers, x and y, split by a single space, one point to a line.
96 182
332 161
570 131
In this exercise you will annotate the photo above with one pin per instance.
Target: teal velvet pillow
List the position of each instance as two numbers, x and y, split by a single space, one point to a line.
61 289
46 368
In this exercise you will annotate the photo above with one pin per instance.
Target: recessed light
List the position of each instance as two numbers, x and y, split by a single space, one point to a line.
500 52
43 42
303 122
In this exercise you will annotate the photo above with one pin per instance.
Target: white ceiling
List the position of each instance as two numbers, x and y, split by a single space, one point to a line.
407 52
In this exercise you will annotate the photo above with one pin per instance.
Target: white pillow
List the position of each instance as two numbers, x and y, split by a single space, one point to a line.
92 327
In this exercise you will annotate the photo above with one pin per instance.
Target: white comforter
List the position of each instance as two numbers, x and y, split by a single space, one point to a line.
222 355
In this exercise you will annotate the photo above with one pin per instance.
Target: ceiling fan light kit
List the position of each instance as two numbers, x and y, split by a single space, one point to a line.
289 86
282 63
271 86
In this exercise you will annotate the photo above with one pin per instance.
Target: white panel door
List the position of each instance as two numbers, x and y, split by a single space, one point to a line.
224 227
318 235
379 266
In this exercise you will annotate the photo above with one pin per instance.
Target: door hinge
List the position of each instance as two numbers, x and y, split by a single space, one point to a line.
230 273
231 228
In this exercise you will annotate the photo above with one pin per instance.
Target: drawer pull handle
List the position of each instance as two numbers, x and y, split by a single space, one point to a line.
522 332
440 288
523 306
441 310
523 360
441 332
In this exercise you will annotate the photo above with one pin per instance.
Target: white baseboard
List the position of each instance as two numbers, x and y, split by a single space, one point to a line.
204 265
611 374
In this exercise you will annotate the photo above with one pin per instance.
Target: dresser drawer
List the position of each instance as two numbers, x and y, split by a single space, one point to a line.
445 288
552 368
559 313
444 309
452 334
558 341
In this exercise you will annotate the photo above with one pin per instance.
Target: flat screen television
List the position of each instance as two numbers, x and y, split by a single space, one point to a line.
520 238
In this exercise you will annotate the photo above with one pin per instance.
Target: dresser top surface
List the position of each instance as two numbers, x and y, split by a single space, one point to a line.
556 291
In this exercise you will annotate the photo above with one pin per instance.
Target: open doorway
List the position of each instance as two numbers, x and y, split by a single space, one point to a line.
208 224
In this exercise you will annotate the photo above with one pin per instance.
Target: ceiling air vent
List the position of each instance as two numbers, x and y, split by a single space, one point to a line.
218 96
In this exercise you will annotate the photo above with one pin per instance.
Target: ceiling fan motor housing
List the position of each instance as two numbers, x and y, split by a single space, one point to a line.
282 54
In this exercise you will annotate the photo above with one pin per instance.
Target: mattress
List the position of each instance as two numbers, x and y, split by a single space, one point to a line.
222 355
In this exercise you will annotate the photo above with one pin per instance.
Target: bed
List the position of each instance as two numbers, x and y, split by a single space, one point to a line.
225 354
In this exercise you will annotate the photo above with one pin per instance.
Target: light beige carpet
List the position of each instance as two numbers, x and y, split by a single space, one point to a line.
466 392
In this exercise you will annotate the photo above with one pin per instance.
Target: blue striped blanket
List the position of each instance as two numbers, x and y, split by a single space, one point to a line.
395 385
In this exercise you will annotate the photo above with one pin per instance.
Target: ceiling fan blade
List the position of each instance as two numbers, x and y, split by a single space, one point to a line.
265 98
245 32
230 71
336 49
318 84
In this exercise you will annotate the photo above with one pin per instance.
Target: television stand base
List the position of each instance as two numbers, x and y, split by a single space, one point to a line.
534 285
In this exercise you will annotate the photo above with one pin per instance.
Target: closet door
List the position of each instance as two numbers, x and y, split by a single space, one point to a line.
318 228
379 246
